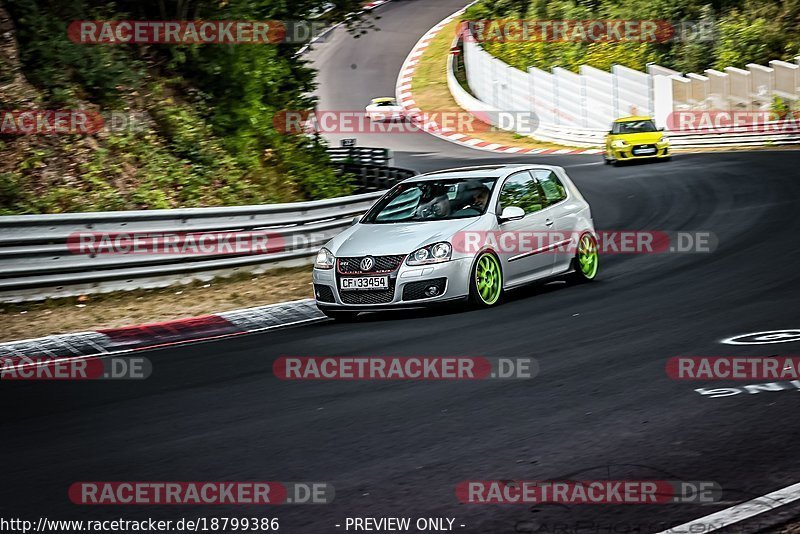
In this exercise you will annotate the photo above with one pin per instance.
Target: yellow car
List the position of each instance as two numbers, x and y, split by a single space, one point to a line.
632 138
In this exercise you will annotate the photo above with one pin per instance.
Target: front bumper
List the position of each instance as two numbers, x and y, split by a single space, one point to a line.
378 116
407 287
633 152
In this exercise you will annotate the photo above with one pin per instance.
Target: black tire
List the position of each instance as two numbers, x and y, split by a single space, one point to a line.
475 298
341 316
578 276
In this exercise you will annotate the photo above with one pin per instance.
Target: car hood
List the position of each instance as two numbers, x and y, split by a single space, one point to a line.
387 109
644 138
394 238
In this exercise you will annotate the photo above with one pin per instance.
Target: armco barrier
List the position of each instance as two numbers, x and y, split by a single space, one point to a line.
360 155
37 263
375 177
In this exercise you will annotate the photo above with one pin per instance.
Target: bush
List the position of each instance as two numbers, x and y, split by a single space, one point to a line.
780 108
746 31
211 139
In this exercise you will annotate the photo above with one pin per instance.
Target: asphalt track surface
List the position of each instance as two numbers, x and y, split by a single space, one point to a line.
601 408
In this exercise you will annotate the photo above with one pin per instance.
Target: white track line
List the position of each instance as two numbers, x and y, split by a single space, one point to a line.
740 512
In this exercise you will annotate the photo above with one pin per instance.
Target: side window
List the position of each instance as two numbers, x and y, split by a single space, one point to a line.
552 187
522 191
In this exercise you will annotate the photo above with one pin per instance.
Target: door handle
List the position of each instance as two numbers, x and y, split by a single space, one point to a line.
548 222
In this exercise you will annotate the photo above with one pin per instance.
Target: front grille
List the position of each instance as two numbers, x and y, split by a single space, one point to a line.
636 150
383 264
323 293
416 290
368 297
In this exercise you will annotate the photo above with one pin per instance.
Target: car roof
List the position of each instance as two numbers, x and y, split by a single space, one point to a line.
480 171
634 118
383 99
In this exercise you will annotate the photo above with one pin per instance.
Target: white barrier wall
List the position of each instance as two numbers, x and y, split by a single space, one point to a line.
592 99
589 99
543 96
597 85
570 109
787 78
698 91
633 92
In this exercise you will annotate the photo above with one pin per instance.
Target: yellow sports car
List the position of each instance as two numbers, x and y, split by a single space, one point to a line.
633 138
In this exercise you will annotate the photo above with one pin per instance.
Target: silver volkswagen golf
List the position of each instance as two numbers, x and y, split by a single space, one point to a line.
460 234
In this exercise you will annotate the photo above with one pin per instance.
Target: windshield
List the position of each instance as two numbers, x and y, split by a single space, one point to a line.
633 127
432 200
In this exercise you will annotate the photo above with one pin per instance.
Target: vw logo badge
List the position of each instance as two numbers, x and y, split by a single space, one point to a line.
367 263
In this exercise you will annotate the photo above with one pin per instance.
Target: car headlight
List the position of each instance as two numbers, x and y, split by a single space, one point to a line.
619 143
324 259
664 139
435 253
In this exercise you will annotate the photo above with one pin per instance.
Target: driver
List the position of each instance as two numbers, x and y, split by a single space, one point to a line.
476 195
480 198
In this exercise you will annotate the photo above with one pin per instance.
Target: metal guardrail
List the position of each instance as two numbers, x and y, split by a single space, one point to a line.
361 155
39 258
375 177
734 137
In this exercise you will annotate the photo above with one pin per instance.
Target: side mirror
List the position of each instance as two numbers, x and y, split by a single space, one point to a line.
661 129
512 213
355 220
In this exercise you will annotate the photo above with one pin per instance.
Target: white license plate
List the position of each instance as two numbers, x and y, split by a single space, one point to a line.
644 151
365 282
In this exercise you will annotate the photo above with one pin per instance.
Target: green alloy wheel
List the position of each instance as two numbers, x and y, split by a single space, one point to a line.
586 259
487 280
